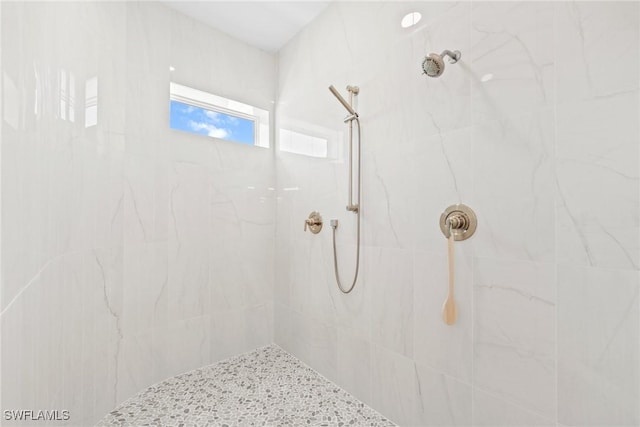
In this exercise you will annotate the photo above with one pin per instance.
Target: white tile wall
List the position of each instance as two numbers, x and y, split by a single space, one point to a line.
132 252
514 332
491 411
598 346
545 151
442 400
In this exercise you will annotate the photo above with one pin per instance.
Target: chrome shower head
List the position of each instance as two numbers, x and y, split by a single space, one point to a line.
433 64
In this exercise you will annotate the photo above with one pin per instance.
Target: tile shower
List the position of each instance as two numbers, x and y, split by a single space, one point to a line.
131 253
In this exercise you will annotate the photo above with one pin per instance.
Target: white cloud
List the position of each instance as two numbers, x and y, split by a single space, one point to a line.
212 130
221 119
215 116
233 120
218 133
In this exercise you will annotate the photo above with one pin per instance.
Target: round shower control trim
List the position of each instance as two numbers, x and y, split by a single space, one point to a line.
460 220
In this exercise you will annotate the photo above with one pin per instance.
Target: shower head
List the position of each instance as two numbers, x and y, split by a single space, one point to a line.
343 101
433 65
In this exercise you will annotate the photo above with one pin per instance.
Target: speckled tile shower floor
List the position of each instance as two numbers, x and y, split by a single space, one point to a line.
266 387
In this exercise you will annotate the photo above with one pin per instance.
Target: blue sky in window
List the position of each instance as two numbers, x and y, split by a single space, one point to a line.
198 120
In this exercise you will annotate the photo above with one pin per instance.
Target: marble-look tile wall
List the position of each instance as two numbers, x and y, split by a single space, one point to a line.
130 252
537 129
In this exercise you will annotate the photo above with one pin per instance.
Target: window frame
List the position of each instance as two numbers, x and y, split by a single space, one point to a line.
209 101
333 137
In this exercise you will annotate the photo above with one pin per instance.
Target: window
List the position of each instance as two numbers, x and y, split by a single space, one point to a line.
308 139
212 123
300 143
203 113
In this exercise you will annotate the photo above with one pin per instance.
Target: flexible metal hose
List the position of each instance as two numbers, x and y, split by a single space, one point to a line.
358 212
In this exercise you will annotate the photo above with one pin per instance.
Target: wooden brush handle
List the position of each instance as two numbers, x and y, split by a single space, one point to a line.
449 311
450 256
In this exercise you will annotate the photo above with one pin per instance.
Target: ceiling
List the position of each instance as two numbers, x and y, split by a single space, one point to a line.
267 25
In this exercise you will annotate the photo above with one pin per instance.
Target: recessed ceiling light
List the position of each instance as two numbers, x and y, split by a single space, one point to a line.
171 68
411 19
486 78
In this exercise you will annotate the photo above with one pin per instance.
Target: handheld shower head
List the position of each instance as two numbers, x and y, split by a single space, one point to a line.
433 64
343 101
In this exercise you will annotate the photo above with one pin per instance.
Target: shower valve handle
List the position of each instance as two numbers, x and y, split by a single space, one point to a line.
458 222
310 223
314 223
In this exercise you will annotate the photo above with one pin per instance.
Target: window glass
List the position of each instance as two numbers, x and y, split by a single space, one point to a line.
215 124
203 113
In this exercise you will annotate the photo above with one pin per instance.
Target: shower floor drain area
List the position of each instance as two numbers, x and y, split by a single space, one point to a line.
267 387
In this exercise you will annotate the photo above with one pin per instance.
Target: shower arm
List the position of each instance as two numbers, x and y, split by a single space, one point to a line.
455 56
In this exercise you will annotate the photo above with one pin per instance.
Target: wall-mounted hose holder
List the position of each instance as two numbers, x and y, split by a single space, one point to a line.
314 222
459 220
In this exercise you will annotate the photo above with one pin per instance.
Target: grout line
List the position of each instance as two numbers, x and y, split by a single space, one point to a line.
513 403
638 207
555 205
473 252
